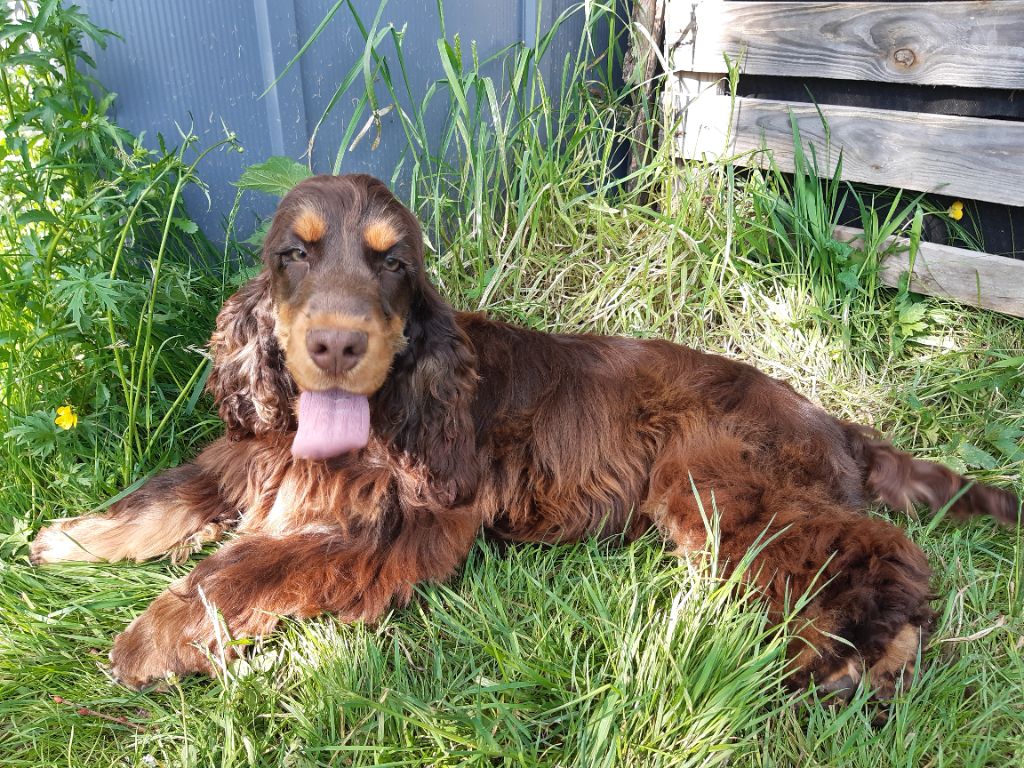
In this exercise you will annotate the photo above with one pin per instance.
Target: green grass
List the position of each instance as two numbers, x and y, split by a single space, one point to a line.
589 655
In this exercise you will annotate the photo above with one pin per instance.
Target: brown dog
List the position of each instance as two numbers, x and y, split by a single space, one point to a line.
372 432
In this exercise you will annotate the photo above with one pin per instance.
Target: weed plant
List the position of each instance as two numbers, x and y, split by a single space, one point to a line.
108 287
584 655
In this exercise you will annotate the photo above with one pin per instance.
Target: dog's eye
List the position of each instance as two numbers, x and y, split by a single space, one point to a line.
392 263
292 254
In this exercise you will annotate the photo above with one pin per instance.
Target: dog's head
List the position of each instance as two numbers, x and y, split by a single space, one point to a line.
345 261
341 322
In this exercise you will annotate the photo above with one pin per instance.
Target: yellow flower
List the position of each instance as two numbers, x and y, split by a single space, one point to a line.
66 417
956 210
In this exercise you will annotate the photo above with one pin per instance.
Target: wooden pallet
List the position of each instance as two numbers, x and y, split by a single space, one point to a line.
967 44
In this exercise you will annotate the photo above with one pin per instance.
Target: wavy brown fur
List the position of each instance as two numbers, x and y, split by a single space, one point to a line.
532 436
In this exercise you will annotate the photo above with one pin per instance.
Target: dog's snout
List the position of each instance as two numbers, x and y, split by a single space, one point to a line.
335 351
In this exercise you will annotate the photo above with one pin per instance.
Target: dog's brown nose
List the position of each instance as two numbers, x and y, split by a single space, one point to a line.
335 351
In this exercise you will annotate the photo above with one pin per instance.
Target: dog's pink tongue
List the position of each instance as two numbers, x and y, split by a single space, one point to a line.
331 423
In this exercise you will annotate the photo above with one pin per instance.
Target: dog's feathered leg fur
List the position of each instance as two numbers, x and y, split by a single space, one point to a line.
174 513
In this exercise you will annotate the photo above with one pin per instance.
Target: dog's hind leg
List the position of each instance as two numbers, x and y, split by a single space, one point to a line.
174 513
867 584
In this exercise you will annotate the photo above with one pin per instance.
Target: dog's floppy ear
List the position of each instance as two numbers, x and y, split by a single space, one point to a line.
249 381
425 403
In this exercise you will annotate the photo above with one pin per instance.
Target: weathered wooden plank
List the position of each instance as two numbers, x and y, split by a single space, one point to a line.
965 157
978 279
681 91
684 85
969 44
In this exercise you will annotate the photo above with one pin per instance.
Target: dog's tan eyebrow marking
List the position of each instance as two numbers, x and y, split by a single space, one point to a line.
309 225
381 234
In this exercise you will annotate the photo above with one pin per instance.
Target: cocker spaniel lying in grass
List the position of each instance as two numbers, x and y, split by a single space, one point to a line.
372 432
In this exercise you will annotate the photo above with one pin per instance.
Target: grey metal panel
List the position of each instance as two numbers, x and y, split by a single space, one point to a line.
206 64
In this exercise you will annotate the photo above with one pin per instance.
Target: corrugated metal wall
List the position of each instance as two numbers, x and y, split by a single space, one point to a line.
205 63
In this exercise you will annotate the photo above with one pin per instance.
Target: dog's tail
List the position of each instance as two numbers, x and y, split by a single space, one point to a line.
900 481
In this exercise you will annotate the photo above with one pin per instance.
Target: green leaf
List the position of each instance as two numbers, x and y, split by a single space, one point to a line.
81 293
997 431
974 456
1009 449
259 234
955 463
187 226
36 432
276 176
37 217
849 278
911 314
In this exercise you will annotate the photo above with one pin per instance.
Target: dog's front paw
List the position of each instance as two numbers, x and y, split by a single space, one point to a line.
57 543
160 643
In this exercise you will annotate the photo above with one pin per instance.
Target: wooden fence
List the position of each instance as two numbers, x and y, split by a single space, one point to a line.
970 45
